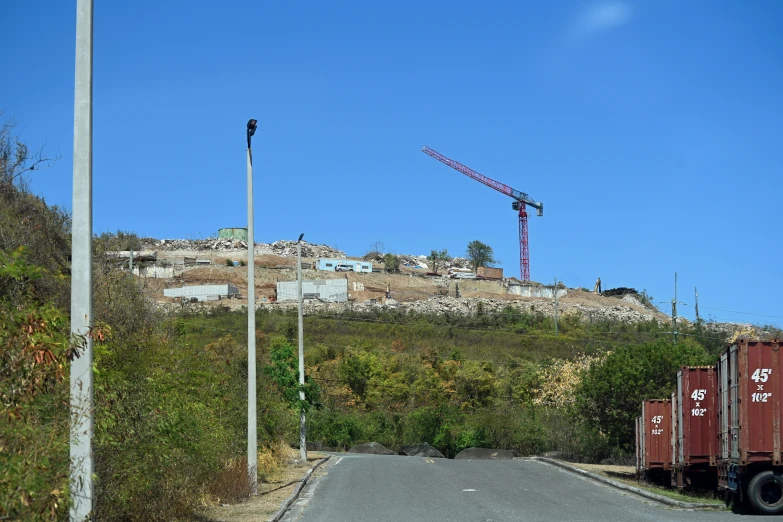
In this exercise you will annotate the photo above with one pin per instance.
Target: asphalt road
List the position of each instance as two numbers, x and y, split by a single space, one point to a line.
395 488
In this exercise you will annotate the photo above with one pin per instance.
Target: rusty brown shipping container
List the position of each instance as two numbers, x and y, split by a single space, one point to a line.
656 437
749 423
489 272
695 425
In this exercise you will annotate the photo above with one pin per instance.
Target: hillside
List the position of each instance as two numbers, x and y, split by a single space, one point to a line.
412 289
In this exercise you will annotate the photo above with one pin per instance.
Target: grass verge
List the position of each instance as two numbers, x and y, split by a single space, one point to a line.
275 488
626 475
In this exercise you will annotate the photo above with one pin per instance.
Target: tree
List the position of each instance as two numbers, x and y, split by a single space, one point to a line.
391 262
610 395
438 258
283 368
479 254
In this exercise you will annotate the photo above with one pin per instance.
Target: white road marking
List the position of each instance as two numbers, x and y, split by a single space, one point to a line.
468 490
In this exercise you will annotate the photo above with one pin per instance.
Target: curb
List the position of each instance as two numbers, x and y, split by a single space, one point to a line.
619 485
290 500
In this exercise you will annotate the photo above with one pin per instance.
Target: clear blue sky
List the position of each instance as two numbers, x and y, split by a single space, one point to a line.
651 131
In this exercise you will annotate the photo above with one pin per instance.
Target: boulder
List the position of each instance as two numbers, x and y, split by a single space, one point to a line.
371 448
485 454
422 449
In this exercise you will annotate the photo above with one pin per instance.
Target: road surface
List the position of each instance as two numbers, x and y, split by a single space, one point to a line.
354 488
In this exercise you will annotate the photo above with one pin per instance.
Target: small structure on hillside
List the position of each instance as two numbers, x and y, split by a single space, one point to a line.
202 292
332 290
233 233
524 289
331 265
488 272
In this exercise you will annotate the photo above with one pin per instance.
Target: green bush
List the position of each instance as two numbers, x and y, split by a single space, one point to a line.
612 391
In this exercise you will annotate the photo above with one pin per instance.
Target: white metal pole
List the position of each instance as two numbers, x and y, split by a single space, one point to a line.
302 419
81 381
252 442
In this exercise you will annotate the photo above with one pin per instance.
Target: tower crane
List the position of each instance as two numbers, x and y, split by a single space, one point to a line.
520 200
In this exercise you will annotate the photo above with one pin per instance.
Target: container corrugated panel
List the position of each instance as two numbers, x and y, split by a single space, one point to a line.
750 402
492 273
724 434
673 428
697 430
657 438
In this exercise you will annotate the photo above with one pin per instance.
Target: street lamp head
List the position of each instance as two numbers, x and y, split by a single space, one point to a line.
300 237
251 129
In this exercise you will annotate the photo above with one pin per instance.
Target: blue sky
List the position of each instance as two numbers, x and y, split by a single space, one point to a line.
651 131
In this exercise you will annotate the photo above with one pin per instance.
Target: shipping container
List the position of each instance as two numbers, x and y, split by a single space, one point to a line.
695 426
749 418
489 272
656 439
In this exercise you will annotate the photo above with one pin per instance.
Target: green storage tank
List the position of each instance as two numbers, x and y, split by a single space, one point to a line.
233 233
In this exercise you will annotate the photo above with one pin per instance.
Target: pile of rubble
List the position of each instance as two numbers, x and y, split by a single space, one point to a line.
469 306
279 248
288 249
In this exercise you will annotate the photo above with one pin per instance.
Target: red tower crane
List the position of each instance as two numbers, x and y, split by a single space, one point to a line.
520 200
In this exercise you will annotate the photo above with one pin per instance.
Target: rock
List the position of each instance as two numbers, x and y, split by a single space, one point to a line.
371 448
422 449
484 454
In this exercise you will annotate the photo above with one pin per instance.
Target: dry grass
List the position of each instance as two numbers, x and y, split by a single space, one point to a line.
280 473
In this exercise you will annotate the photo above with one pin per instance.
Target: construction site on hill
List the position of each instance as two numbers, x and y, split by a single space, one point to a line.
211 272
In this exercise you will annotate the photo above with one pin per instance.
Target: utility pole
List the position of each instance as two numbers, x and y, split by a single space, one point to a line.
696 300
252 424
674 311
81 382
555 294
302 419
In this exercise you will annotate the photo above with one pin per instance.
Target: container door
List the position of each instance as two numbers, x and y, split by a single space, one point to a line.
734 404
723 414
759 393
674 429
680 419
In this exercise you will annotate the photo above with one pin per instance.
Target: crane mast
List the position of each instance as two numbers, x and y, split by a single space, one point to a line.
521 200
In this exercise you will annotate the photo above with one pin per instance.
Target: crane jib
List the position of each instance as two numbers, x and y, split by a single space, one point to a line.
500 187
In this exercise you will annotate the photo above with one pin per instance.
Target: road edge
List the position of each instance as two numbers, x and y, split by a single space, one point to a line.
290 500
637 491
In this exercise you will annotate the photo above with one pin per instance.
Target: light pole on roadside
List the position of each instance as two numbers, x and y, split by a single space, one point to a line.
252 423
81 380
302 425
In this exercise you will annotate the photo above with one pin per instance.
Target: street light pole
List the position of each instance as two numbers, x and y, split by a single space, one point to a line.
252 440
302 424
81 381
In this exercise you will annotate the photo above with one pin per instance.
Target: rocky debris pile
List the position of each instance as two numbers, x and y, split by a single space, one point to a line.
281 248
421 450
371 448
285 248
484 454
459 262
474 305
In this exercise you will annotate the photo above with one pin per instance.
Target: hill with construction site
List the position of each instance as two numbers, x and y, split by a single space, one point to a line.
164 265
